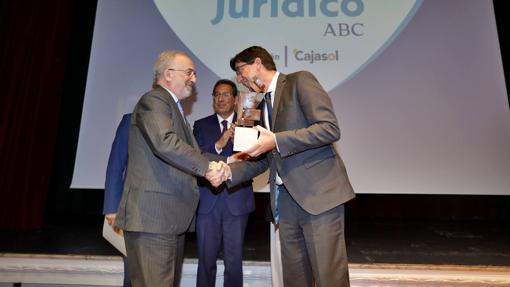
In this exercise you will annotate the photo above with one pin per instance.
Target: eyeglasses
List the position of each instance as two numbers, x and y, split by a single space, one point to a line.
187 72
224 94
238 68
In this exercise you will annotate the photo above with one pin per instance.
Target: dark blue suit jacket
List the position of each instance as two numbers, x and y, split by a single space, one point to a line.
240 199
116 170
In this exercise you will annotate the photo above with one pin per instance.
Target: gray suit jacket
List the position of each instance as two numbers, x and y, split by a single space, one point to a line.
306 129
160 193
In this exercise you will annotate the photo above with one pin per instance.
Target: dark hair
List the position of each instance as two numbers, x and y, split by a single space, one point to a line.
227 82
249 55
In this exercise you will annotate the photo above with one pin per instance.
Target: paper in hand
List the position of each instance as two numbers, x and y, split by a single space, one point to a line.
115 238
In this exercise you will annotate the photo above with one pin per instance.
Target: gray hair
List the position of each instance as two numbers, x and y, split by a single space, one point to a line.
165 60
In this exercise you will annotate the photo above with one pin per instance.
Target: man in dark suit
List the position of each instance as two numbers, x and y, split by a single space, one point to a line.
161 193
308 180
222 212
115 177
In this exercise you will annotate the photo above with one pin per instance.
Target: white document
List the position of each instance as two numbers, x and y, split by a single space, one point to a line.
244 138
115 239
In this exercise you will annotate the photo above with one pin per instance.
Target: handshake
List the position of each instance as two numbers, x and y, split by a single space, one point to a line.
217 173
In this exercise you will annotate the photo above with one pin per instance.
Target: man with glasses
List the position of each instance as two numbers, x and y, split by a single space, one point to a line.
160 192
222 212
308 180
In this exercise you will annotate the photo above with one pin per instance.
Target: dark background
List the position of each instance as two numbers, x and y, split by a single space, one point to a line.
44 56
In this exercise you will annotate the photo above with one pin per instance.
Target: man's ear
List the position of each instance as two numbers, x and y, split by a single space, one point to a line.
258 63
168 75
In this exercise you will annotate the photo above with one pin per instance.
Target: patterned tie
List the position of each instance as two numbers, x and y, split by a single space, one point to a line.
224 124
180 107
182 111
269 105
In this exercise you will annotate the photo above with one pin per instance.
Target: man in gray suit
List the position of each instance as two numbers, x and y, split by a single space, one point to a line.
308 180
160 192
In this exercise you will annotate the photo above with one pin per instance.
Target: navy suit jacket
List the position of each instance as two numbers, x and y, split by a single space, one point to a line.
239 199
116 170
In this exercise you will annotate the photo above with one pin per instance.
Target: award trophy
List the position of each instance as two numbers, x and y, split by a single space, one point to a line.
247 115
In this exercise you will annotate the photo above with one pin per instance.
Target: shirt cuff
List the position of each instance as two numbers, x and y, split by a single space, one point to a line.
276 142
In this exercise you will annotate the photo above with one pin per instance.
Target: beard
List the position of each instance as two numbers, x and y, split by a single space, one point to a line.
189 89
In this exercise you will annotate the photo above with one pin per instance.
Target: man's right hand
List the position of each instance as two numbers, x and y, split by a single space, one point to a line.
218 173
225 137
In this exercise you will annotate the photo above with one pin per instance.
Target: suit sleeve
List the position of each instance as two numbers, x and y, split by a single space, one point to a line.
200 133
158 123
246 170
116 169
317 109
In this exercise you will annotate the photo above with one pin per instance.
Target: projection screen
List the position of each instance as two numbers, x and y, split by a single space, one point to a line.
417 86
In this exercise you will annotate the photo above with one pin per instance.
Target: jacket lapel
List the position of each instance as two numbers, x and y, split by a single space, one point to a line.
187 131
188 135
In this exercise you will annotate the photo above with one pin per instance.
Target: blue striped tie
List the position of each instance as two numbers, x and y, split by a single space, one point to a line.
182 112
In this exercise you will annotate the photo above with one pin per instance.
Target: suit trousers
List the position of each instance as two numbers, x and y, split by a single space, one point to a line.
154 259
220 230
127 279
313 246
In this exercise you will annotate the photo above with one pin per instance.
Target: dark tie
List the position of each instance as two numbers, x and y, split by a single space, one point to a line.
227 149
269 105
224 124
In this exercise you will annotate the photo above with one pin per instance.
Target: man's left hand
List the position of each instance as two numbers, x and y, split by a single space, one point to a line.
265 143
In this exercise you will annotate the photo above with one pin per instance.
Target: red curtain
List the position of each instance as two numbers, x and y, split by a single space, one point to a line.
34 37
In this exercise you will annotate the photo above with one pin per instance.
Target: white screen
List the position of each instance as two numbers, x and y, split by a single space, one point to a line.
417 86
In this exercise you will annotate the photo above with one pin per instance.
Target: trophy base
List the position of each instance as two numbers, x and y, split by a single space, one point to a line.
245 122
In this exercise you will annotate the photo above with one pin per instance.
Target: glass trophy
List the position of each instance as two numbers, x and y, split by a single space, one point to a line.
248 115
